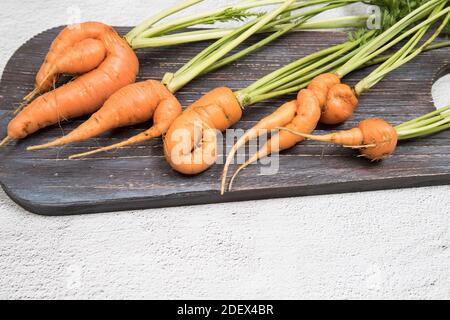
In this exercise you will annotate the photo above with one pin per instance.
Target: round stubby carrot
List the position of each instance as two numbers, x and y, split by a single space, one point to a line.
190 143
375 138
135 103
305 119
86 93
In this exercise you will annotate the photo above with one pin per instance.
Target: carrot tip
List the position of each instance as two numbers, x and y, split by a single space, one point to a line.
365 146
223 182
233 178
5 141
40 147
84 154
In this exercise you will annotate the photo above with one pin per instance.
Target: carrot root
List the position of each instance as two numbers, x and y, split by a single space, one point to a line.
251 134
144 136
304 135
361 146
5 141
235 175
42 146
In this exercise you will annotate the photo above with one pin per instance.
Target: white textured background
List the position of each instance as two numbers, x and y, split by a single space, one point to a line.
393 244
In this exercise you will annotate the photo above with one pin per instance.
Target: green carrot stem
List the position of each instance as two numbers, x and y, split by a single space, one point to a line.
303 71
437 126
426 132
284 29
292 67
305 16
403 56
215 47
181 79
291 78
342 22
219 14
151 21
423 118
387 36
213 34
381 59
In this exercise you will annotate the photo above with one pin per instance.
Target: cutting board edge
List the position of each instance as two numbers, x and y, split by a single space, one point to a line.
213 196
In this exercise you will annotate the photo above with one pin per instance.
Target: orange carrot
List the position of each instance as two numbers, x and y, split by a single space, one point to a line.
338 101
135 103
306 117
340 105
375 138
190 142
77 49
66 57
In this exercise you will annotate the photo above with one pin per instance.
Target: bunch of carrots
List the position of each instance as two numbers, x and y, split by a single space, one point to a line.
105 69
117 101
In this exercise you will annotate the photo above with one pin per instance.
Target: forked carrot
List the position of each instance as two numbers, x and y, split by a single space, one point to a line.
90 46
307 116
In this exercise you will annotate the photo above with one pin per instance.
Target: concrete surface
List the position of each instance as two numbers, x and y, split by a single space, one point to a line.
392 244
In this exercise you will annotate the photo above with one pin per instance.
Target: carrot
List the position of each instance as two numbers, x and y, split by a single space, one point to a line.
135 103
376 139
66 57
307 115
112 63
190 144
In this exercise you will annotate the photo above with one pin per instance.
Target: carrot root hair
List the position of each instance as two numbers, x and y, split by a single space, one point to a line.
26 100
304 135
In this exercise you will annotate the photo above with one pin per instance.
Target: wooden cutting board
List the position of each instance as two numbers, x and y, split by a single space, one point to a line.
137 177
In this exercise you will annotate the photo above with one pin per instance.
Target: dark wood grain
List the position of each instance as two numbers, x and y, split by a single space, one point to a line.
138 177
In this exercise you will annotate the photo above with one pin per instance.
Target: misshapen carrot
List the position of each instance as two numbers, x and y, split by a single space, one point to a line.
322 84
340 105
375 138
135 103
86 93
66 55
306 118
337 100
190 143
